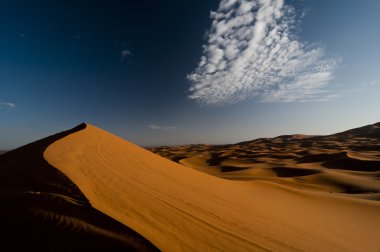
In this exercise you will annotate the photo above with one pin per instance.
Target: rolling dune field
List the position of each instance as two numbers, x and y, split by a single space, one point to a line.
88 190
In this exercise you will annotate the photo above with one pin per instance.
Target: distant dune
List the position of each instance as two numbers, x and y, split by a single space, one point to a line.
88 190
347 163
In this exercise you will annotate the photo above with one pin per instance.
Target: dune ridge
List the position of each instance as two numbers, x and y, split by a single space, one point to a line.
347 163
43 210
182 209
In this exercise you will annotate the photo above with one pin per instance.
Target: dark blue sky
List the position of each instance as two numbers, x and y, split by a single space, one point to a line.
123 66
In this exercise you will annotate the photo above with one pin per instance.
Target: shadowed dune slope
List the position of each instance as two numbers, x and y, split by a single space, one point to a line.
369 131
43 210
181 209
347 163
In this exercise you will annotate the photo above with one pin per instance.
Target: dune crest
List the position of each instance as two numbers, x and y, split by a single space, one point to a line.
181 209
347 163
43 210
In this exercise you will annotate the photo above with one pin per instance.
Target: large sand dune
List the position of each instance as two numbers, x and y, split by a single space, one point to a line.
178 208
43 210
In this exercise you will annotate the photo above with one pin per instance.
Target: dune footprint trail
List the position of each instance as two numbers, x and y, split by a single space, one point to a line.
180 209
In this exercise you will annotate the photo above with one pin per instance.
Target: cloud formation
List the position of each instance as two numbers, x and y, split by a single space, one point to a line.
158 127
371 83
9 105
252 53
124 54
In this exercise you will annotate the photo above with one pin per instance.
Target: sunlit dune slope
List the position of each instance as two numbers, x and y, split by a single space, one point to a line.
181 209
347 163
42 210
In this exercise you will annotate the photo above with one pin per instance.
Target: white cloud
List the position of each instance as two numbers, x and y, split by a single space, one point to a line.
159 127
124 54
252 53
370 83
9 105
321 98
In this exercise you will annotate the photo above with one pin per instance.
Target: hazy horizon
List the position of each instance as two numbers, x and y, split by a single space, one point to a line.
186 72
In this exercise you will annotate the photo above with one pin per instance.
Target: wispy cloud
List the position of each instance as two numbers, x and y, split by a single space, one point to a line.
369 83
125 54
252 52
160 127
321 98
9 105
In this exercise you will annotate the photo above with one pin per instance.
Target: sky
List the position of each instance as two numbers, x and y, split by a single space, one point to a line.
186 72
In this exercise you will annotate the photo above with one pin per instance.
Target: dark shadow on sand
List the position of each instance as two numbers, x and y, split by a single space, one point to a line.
43 210
287 172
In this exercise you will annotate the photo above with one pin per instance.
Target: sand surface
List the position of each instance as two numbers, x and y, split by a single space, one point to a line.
280 194
346 163
43 210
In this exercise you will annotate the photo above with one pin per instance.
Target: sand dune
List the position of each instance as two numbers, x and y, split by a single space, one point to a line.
42 210
346 163
86 189
181 209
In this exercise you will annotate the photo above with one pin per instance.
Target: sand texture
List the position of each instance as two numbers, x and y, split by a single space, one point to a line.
43 210
292 193
88 190
347 163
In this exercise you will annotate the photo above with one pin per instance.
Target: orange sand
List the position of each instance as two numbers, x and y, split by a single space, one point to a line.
181 209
